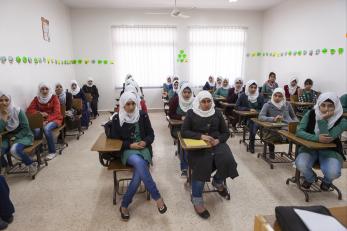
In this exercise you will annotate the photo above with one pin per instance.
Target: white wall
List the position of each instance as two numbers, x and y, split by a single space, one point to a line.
92 38
21 34
309 24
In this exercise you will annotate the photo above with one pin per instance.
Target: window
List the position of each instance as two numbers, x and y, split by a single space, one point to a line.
146 52
217 51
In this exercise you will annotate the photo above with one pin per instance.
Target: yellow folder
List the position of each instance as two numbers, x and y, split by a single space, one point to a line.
194 143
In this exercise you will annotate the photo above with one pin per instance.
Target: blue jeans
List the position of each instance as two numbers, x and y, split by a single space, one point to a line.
6 206
331 167
17 150
47 130
198 188
141 172
183 160
253 128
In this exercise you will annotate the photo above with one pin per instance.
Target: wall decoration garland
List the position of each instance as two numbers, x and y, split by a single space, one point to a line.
292 53
182 57
51 60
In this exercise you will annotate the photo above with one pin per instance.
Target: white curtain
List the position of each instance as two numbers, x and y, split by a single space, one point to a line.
145 52
217 51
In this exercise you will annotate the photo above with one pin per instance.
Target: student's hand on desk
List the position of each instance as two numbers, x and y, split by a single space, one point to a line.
136 146
44 114
183 117
252 110
326 139
215 142
278 118
207 138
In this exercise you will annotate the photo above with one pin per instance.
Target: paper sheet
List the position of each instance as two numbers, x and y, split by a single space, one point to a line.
319 222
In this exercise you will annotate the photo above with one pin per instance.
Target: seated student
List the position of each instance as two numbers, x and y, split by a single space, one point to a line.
322 124
93 90
206 123
179 105
307 95
232 97
65 97
168 85
134 127
250 100
6 206
210 84
20 136
175 78
77 93
219 82
269 86
142 102
127 77
292 88
276 110
224 90
174 89
343 100
49 106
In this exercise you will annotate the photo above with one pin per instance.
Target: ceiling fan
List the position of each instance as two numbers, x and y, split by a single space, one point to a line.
174 13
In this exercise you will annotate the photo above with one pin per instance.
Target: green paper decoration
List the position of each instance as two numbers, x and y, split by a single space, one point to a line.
18 59
99 61
86 61
25 59
79 61
105 61
36 61
299 53
324 50
74 61
340 51
289 53
182 57
332 51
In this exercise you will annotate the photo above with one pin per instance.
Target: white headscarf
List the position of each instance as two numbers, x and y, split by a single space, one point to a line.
337 113
90 79
173 86
196 104
235 81
291 89
128 76
133 83
125 117
44 99
283 102
132 89
217 84
77 90
13 111
185 105
252 98
167 80
227 87
212 84
62 96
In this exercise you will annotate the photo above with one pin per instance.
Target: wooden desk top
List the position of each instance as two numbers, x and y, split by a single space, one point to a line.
225 104
268 223
174 122
344 114
268 124
103 144
219 98
308 144
303 104
185 147
246 113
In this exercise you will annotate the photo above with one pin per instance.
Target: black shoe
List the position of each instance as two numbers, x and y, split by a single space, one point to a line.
204 215
184 173
306 185
223 193
125 217
8 220
3 224
251 146
163 209
325 186
272 155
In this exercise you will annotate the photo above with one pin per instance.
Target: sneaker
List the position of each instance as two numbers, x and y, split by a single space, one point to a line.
184 173
33 168
325 186
51 156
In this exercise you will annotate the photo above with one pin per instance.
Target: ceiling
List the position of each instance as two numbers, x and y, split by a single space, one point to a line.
166 4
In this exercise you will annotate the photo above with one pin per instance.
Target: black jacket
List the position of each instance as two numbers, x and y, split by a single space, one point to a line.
243 105
126 132
92 90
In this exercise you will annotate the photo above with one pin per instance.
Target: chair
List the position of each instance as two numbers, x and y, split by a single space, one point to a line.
35 122
60 132
75 125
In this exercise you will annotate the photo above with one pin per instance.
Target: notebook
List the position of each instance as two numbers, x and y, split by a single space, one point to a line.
194 143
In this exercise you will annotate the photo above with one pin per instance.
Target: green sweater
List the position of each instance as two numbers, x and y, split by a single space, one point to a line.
334 132
343 100
221 92
22 134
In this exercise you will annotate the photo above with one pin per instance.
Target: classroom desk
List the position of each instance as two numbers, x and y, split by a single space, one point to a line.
280 157
245 115
344 114
269 223
104 145
172 124
302 104
297 179
219 98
